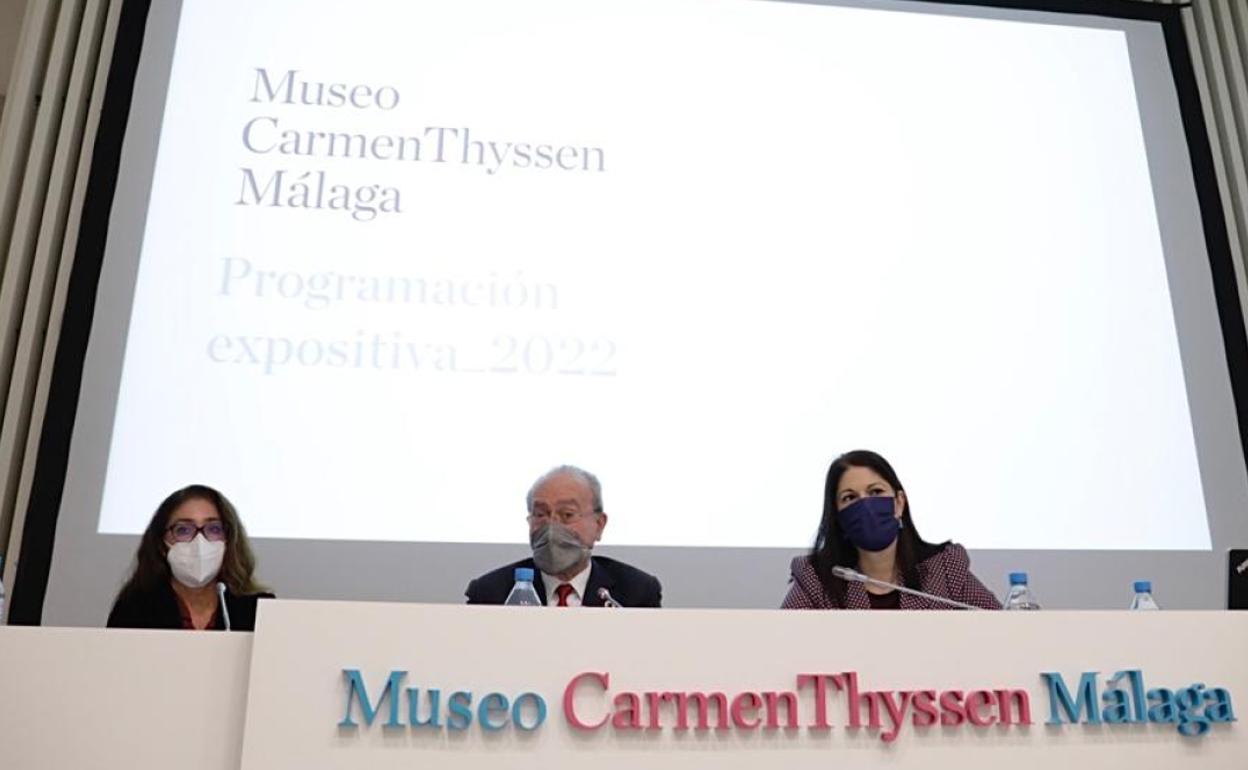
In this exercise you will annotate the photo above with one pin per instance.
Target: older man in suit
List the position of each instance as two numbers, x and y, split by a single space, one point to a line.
566 519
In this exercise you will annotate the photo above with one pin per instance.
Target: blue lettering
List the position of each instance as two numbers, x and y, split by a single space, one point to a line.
460 706
357 691
492 705
1136 679
1191 699
413 708
495 711
1163 708
517 710
1060 696
1116 711
1219 708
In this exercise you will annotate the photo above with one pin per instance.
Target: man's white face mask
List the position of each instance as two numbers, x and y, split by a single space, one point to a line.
196 564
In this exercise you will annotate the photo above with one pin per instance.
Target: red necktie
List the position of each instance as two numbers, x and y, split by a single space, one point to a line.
562 591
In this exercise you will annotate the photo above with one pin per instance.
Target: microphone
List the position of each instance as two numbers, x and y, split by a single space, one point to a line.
608 600
854 576
225 611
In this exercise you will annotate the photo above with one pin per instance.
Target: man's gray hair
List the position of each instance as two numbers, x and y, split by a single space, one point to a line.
580 474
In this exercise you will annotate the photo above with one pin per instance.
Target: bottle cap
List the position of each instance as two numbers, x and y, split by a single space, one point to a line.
1018 578
1143 587
525 574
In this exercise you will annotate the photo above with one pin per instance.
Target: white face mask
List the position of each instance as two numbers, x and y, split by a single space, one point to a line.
196 563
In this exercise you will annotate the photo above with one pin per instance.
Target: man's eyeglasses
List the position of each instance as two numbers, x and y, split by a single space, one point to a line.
563 517
185 531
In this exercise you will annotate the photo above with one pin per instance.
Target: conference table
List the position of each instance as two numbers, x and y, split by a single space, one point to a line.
373 685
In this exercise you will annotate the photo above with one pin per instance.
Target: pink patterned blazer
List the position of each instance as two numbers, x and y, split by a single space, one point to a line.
947 574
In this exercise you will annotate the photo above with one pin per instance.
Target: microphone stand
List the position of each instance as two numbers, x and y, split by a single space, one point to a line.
854 576
608 600
225 611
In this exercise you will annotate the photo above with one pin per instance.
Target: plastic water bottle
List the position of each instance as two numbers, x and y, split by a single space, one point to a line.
523 594
1020 597
1143 599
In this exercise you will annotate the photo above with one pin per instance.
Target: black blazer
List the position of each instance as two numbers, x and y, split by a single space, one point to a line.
628 585
159 609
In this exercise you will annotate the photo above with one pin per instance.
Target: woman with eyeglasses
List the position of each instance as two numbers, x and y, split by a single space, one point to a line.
193 553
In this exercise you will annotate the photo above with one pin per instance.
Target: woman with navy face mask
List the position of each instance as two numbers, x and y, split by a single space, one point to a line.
866 527
193 555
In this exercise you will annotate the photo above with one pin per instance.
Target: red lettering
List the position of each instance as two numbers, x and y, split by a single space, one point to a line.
886 710
820 681
627 714
744 701
653 699
951 708
849 681
569 699
975 700
896 712
703 702
925 714
1020 698
773 699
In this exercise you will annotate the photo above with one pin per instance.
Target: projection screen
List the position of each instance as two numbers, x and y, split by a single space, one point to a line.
371 268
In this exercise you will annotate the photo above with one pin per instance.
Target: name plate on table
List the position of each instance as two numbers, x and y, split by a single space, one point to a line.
336 684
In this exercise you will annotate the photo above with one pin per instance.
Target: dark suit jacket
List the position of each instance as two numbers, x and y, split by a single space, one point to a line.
159 609
628 585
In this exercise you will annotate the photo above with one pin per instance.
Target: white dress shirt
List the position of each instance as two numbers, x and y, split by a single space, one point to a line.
578 583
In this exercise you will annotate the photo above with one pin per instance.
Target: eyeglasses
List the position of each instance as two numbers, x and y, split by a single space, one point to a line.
563 517
185 531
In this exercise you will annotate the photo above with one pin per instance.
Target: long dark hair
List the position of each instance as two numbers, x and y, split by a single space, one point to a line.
832 548
151 568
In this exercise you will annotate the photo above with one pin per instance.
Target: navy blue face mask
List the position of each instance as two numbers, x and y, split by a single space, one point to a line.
870 522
